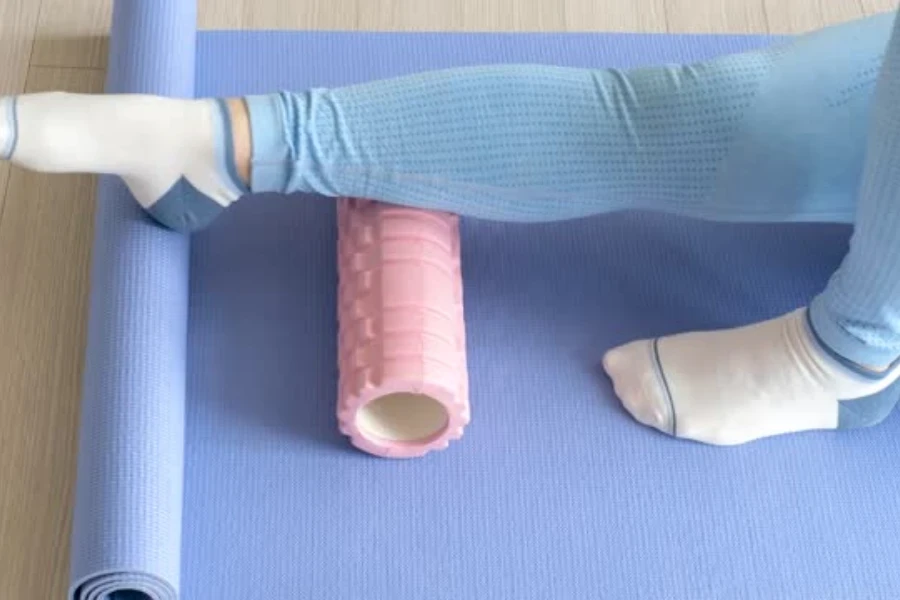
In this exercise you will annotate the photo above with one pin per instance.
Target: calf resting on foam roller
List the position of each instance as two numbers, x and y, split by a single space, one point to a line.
802 131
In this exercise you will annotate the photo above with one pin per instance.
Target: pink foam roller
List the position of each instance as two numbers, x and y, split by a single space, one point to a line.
403 381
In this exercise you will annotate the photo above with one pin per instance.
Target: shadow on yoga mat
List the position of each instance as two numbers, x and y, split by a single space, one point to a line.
210 465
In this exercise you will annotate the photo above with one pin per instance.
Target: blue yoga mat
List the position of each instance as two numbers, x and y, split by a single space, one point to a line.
211 467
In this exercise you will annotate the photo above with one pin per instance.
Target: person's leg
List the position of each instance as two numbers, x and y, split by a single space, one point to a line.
832 366
858 314
771 135
774 135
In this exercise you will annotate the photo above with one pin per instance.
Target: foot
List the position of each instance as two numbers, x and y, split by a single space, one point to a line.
173 154
737 385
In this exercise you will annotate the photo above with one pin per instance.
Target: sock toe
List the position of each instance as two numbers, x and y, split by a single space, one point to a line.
638 383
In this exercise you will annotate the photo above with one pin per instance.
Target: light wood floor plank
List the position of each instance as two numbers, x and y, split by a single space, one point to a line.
72 33
18 20
614 15
309 14
872 7
723 16
514 15
44 264
416 15
800 16
222 15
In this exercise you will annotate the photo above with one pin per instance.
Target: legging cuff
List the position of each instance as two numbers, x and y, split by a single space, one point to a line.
273 153
846 348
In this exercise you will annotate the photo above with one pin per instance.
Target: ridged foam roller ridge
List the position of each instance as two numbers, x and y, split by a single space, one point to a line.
403 388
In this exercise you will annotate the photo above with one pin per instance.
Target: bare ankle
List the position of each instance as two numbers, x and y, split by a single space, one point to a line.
241 136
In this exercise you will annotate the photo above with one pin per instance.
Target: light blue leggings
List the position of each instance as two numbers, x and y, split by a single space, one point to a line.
805 131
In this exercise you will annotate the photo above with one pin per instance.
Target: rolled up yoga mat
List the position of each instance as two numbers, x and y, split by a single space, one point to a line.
129 495
212 462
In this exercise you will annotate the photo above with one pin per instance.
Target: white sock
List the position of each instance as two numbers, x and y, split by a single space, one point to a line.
152 142
736 385
7 127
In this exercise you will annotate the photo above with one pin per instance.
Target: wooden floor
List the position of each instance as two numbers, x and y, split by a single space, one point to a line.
46 222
